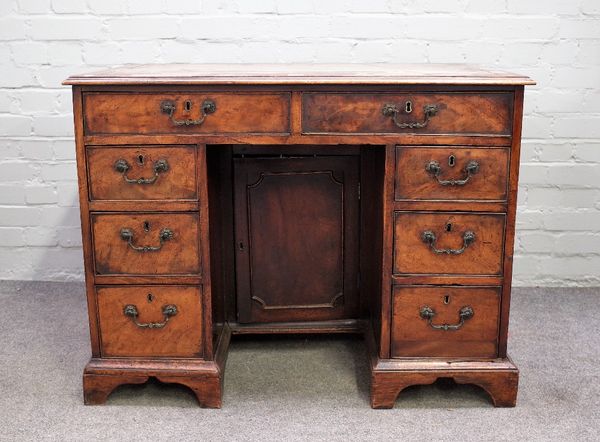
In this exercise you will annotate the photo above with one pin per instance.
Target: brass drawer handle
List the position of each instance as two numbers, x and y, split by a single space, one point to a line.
123 166
429 238
164 235
429 110
428 313
168 107
131 311
434 168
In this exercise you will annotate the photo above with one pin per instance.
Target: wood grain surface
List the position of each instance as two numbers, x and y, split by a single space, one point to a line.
414 182
120 336
177 256
297 238
412 255
459 113
412 336
290 73
115 113
176 183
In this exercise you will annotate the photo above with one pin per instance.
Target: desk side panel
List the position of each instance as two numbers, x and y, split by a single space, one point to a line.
88 258
509 242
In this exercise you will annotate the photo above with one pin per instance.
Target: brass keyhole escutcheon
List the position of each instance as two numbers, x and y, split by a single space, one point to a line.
140 160
451 161
446 299
187 105
408 107
146 226
448 227
150 297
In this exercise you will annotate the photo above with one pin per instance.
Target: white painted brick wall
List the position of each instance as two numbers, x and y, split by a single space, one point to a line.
557 42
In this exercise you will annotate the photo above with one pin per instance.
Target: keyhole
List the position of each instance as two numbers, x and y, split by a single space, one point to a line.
146 226
448 227
140 159
451 160
187 105
241 246
408 107
150 297
447 299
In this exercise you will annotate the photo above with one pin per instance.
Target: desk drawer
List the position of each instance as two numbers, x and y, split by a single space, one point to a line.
420 113
448 243
186 113
445 321
146 244
456 173
142 173
150 321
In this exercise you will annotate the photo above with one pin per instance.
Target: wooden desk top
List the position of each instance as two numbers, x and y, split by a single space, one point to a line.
220 74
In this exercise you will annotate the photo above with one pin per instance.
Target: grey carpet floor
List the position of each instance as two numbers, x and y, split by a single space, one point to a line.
296 388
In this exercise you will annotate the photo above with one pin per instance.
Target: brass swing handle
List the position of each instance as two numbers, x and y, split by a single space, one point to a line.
429 238
164 235
429 110
168 107
131 311
434 168
123 166
428 313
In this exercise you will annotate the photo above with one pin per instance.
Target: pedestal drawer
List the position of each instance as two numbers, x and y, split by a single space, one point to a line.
423 113
445 321
142 173
451 173
448 243
186 113
150 321
146 244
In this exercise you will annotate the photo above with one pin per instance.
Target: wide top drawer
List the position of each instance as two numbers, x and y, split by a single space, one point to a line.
186 113
482 113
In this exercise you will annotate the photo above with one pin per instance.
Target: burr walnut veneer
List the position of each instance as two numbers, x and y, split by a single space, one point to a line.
229 199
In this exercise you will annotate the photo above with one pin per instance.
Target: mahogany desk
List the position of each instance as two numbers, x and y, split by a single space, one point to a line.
228 199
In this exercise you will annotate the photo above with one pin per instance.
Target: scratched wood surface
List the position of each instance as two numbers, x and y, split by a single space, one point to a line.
300 74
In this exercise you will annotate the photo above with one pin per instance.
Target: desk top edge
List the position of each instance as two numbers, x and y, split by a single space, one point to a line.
282 74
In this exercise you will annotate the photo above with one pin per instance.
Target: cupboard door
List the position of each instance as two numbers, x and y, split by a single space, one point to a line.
296 238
